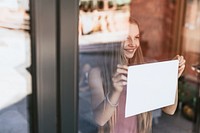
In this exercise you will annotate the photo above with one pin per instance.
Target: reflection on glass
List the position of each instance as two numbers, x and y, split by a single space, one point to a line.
104 34
108 19
15 80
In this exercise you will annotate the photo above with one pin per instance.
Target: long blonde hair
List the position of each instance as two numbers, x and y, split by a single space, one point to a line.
144 119
108 67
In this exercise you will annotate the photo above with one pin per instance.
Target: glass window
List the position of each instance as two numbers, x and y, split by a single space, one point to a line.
189 84
102 27
15 60
114 35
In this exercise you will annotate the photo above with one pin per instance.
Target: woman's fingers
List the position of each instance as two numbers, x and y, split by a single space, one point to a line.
180 70
120 77
120 83
121 69
125 67
180 59
181 65
182 62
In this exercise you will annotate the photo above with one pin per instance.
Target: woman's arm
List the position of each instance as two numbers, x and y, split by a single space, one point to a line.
103 110
172 108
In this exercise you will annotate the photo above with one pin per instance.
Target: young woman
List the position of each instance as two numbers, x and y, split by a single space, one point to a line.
108 86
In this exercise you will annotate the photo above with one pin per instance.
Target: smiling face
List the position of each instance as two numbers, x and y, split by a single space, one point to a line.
132 42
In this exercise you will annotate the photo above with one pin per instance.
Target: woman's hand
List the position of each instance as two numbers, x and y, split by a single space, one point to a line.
120 78
181 65
172 108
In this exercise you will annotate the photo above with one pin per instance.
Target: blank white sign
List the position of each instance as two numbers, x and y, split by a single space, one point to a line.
151 86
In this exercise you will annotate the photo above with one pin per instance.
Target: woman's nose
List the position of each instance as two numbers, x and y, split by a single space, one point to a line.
132 44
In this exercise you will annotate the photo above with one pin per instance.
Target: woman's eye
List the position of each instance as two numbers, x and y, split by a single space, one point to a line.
137 37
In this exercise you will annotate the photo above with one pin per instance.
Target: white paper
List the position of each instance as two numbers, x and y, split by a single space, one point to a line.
151 86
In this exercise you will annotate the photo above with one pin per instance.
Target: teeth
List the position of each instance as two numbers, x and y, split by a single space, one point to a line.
130 50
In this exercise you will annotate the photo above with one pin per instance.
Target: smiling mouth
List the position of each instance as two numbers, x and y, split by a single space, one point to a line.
129 50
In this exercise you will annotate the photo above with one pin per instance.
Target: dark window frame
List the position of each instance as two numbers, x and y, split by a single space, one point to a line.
68 10
54 49
44 66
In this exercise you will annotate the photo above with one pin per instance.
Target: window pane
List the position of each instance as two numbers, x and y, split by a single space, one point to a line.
102 27
15 59
161 33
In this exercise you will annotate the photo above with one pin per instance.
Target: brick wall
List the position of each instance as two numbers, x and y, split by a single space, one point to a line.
156 23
